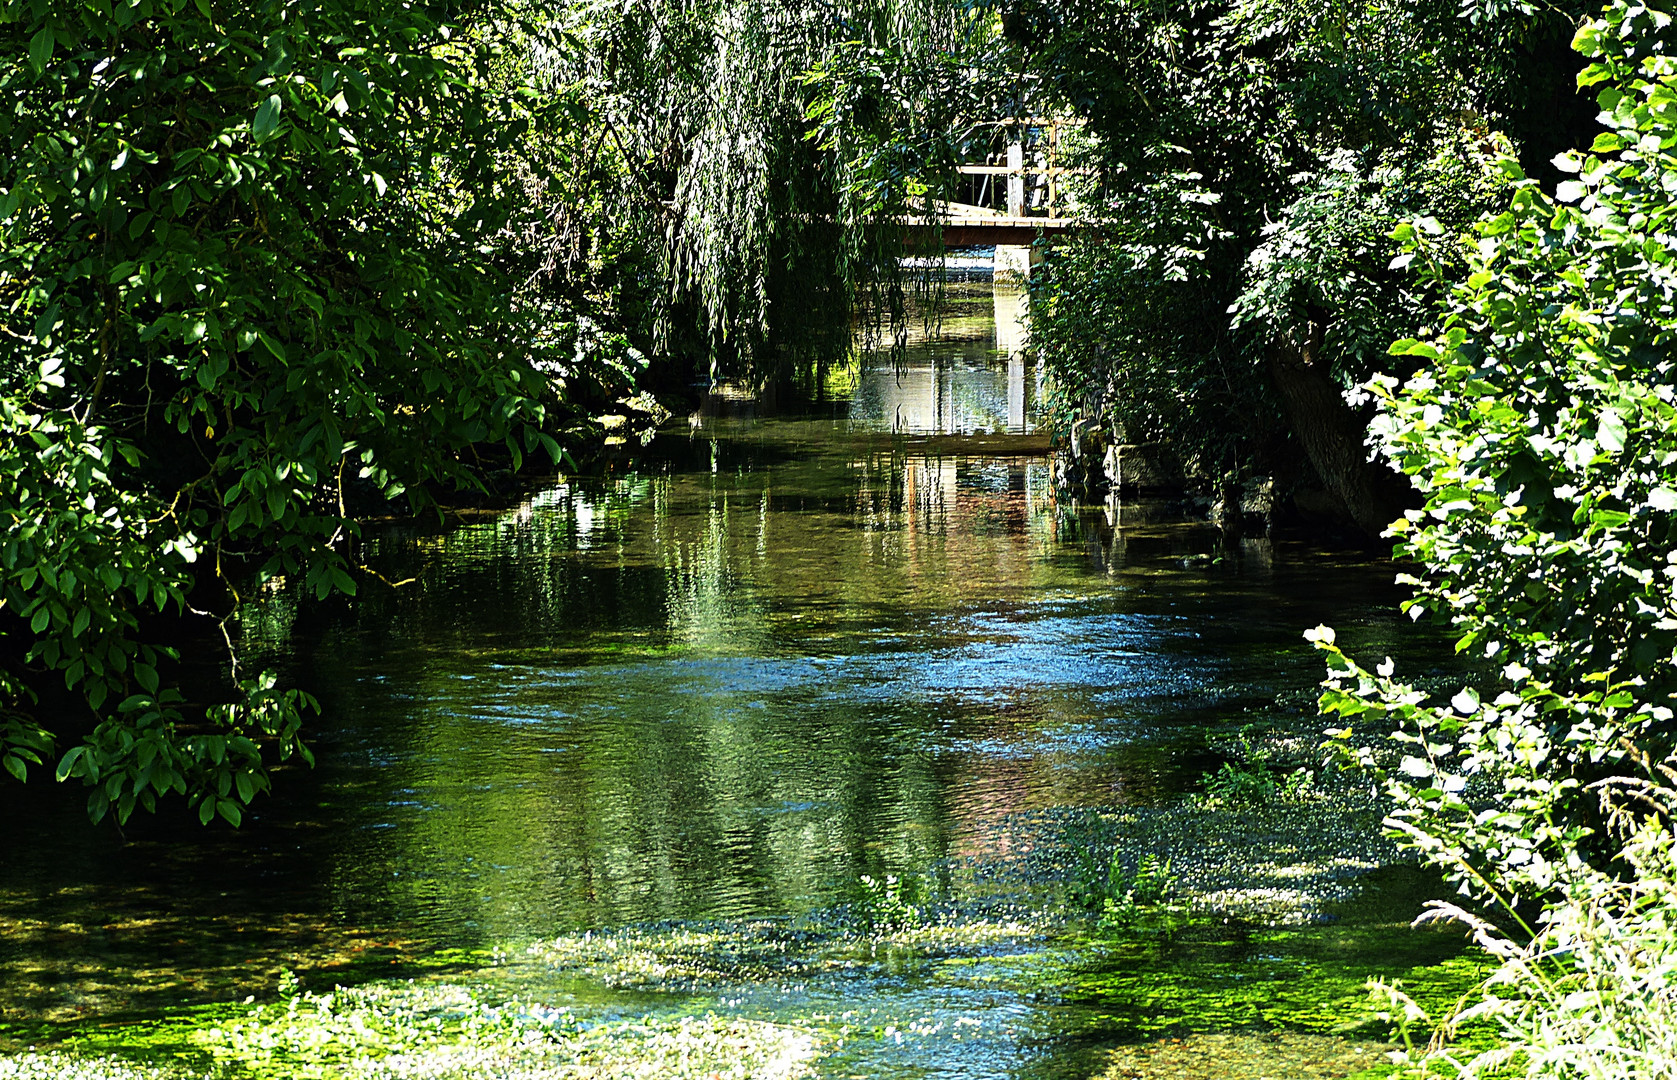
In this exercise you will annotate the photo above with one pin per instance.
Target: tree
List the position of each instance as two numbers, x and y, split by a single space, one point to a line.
1541 428
748 134
1254 157
257 262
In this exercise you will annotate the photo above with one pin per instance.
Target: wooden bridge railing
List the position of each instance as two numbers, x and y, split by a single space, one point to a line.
1033 187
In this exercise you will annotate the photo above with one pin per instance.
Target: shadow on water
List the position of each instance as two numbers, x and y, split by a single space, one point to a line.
781 653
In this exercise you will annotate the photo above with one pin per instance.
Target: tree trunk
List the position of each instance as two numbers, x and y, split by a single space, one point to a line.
1334 437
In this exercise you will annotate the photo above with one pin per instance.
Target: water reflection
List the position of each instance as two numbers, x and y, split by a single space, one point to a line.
724 693
1012 329
779 654
956 384
954 393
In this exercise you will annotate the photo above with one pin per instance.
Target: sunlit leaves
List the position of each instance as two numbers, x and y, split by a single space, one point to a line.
252 269
1542 429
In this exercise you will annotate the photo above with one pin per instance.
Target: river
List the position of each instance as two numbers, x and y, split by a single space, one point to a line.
754 662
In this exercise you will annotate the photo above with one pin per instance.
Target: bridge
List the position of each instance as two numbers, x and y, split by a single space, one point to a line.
1010 198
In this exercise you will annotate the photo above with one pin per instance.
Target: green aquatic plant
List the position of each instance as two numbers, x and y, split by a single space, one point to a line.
1120 890
1209 975
1253 779
57 1066
888 903
1138 892
701 957
390 1030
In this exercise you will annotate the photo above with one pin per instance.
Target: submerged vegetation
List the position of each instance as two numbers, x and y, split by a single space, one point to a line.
407 1030
774 997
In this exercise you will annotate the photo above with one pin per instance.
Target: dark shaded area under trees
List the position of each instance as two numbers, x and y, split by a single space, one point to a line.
265 268
1254 160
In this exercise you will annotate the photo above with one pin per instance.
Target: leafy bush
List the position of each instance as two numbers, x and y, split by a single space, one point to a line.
251 256
1254 158
1542 430
1589 993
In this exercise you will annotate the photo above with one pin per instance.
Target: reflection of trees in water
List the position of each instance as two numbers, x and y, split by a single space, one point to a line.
962 392
683 758
713 693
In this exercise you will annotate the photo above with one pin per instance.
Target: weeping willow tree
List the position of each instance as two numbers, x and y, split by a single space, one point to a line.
740 166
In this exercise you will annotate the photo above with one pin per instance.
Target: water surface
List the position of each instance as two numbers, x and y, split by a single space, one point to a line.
755 661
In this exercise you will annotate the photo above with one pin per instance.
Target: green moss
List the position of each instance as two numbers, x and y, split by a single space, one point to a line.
413 1030
1244 1055
1213 977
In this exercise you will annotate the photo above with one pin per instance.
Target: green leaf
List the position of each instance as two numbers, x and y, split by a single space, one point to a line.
40 49
276 349
68 762
1610 432
267 118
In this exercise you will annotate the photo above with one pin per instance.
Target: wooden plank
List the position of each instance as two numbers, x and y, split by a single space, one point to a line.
1028 170
1018 231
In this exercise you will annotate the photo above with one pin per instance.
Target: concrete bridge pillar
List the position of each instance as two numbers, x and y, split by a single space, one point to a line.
1014 262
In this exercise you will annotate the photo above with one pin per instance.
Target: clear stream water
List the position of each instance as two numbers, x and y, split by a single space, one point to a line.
759 658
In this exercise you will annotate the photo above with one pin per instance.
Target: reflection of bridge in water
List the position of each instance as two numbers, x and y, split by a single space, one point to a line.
952 388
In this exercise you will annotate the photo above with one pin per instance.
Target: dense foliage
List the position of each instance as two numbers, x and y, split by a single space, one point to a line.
1253 159
1542 430
267 268
256 262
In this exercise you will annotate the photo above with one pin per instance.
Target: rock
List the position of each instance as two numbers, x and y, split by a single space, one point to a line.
1143 467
